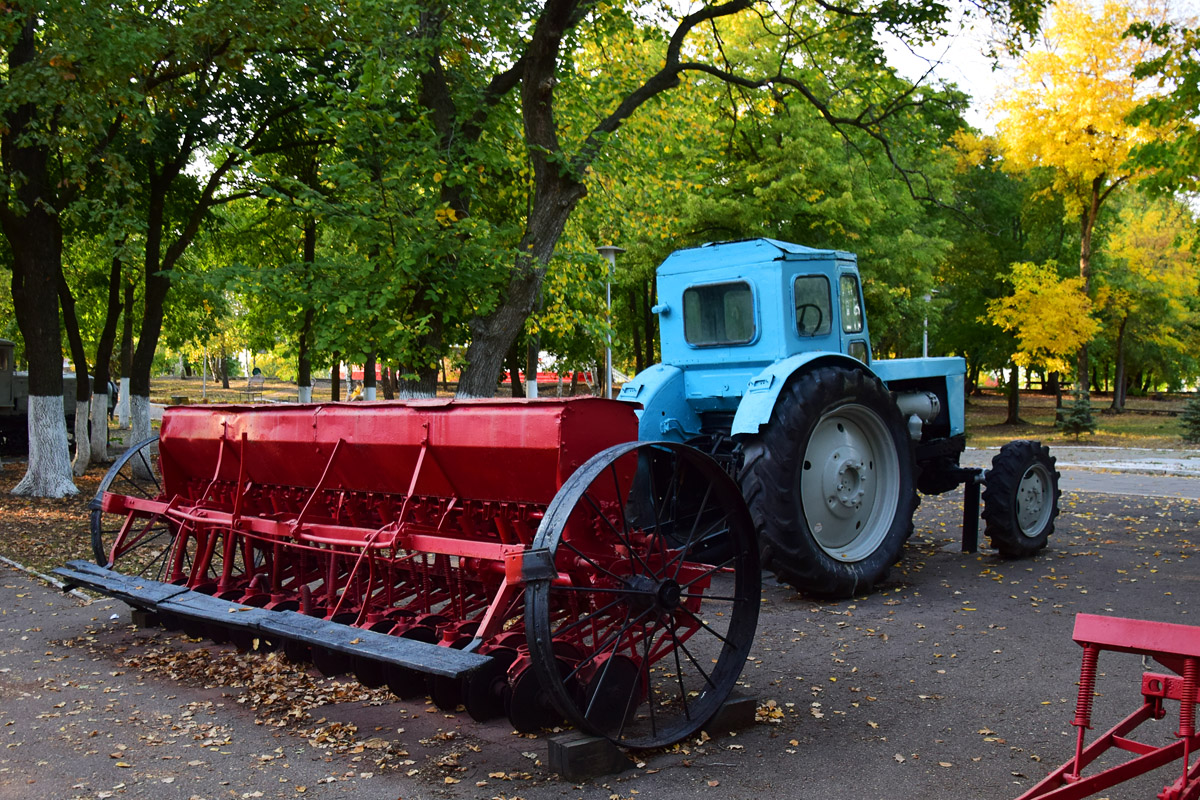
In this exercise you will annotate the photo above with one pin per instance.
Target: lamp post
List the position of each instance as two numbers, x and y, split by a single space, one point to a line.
609 252
925 334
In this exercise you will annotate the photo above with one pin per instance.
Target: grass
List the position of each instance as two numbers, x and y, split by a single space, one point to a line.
1147 422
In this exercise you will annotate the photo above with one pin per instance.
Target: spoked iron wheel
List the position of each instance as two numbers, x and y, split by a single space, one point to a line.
133 542
645 569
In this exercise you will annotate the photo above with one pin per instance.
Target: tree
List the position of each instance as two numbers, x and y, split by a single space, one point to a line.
462 84
218 86
1067 114
1150 292
1050 316
57 106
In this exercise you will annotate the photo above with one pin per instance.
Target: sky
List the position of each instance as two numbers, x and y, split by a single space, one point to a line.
958 59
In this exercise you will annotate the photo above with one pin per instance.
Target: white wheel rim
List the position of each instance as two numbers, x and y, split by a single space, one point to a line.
1034 502
849 482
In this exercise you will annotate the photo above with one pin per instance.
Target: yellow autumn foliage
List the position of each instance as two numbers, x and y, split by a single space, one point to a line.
1051 316
1066 109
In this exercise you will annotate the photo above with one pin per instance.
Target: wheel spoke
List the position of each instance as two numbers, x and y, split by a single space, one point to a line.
696 545
681 645
704 625
624 537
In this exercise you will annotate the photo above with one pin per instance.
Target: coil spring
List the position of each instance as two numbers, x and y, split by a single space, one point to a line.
1187 708
1087 687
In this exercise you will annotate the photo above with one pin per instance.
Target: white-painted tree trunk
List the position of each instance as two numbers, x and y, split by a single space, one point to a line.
139 420
83 442
48 473
369 393
304 394
123 404
99 439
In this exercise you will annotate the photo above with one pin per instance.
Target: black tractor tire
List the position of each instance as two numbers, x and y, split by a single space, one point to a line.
837 444
1020 498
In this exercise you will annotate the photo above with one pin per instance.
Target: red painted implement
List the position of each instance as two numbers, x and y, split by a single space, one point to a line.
1176 647
513 557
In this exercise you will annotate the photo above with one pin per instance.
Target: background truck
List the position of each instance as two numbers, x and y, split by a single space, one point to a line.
14 401
767 365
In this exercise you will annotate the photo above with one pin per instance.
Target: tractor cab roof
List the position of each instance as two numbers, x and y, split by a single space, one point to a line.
745 251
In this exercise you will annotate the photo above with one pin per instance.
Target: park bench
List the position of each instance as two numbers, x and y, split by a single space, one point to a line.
254 388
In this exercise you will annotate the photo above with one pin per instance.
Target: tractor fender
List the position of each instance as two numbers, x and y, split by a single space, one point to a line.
665 413
764 388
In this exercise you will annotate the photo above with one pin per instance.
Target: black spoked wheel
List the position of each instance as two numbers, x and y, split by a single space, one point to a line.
642 593
829 483
130 540
1021 498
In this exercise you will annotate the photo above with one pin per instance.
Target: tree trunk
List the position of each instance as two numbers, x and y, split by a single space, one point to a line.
83 386
335 378
35 241
1118 392
420 388
1014 398
1087 227
303 355
126 355
224 365
369 377
108 335
514 371
385 378
648 320
974 388
158 283
639 362
532 352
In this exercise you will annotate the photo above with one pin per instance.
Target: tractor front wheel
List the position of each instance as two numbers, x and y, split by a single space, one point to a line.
829 483
1020 500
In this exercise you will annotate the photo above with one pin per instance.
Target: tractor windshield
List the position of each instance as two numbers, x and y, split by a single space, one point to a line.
718 314
812 305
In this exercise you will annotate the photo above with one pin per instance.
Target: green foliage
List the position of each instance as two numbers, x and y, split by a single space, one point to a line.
1076 419
1190 420
203 137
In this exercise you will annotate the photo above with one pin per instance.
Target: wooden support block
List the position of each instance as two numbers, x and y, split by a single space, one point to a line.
143 618
734 714
578 756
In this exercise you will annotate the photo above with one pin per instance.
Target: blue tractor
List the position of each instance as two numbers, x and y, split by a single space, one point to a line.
767 365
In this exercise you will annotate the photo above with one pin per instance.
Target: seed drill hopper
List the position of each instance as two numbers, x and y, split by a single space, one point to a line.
528 559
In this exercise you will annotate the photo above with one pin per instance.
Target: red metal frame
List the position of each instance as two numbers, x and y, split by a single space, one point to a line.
1176 647
407 518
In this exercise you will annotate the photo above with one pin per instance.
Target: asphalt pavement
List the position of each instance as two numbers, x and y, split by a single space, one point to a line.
956 679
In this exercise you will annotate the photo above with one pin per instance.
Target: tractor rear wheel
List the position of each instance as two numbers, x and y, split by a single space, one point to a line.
1020 500
829 483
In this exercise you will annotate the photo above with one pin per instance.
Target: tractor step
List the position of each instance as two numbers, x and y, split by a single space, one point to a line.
165 598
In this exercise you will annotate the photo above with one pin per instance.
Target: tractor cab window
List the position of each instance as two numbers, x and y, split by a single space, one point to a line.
852 313
813 312
717 314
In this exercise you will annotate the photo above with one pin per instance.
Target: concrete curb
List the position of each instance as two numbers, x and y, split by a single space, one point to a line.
57 584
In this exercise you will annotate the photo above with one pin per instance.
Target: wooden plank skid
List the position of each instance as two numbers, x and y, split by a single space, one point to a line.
134 591
419 656
170 599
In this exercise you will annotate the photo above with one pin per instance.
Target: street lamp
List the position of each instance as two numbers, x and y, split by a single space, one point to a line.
609 251
925 334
